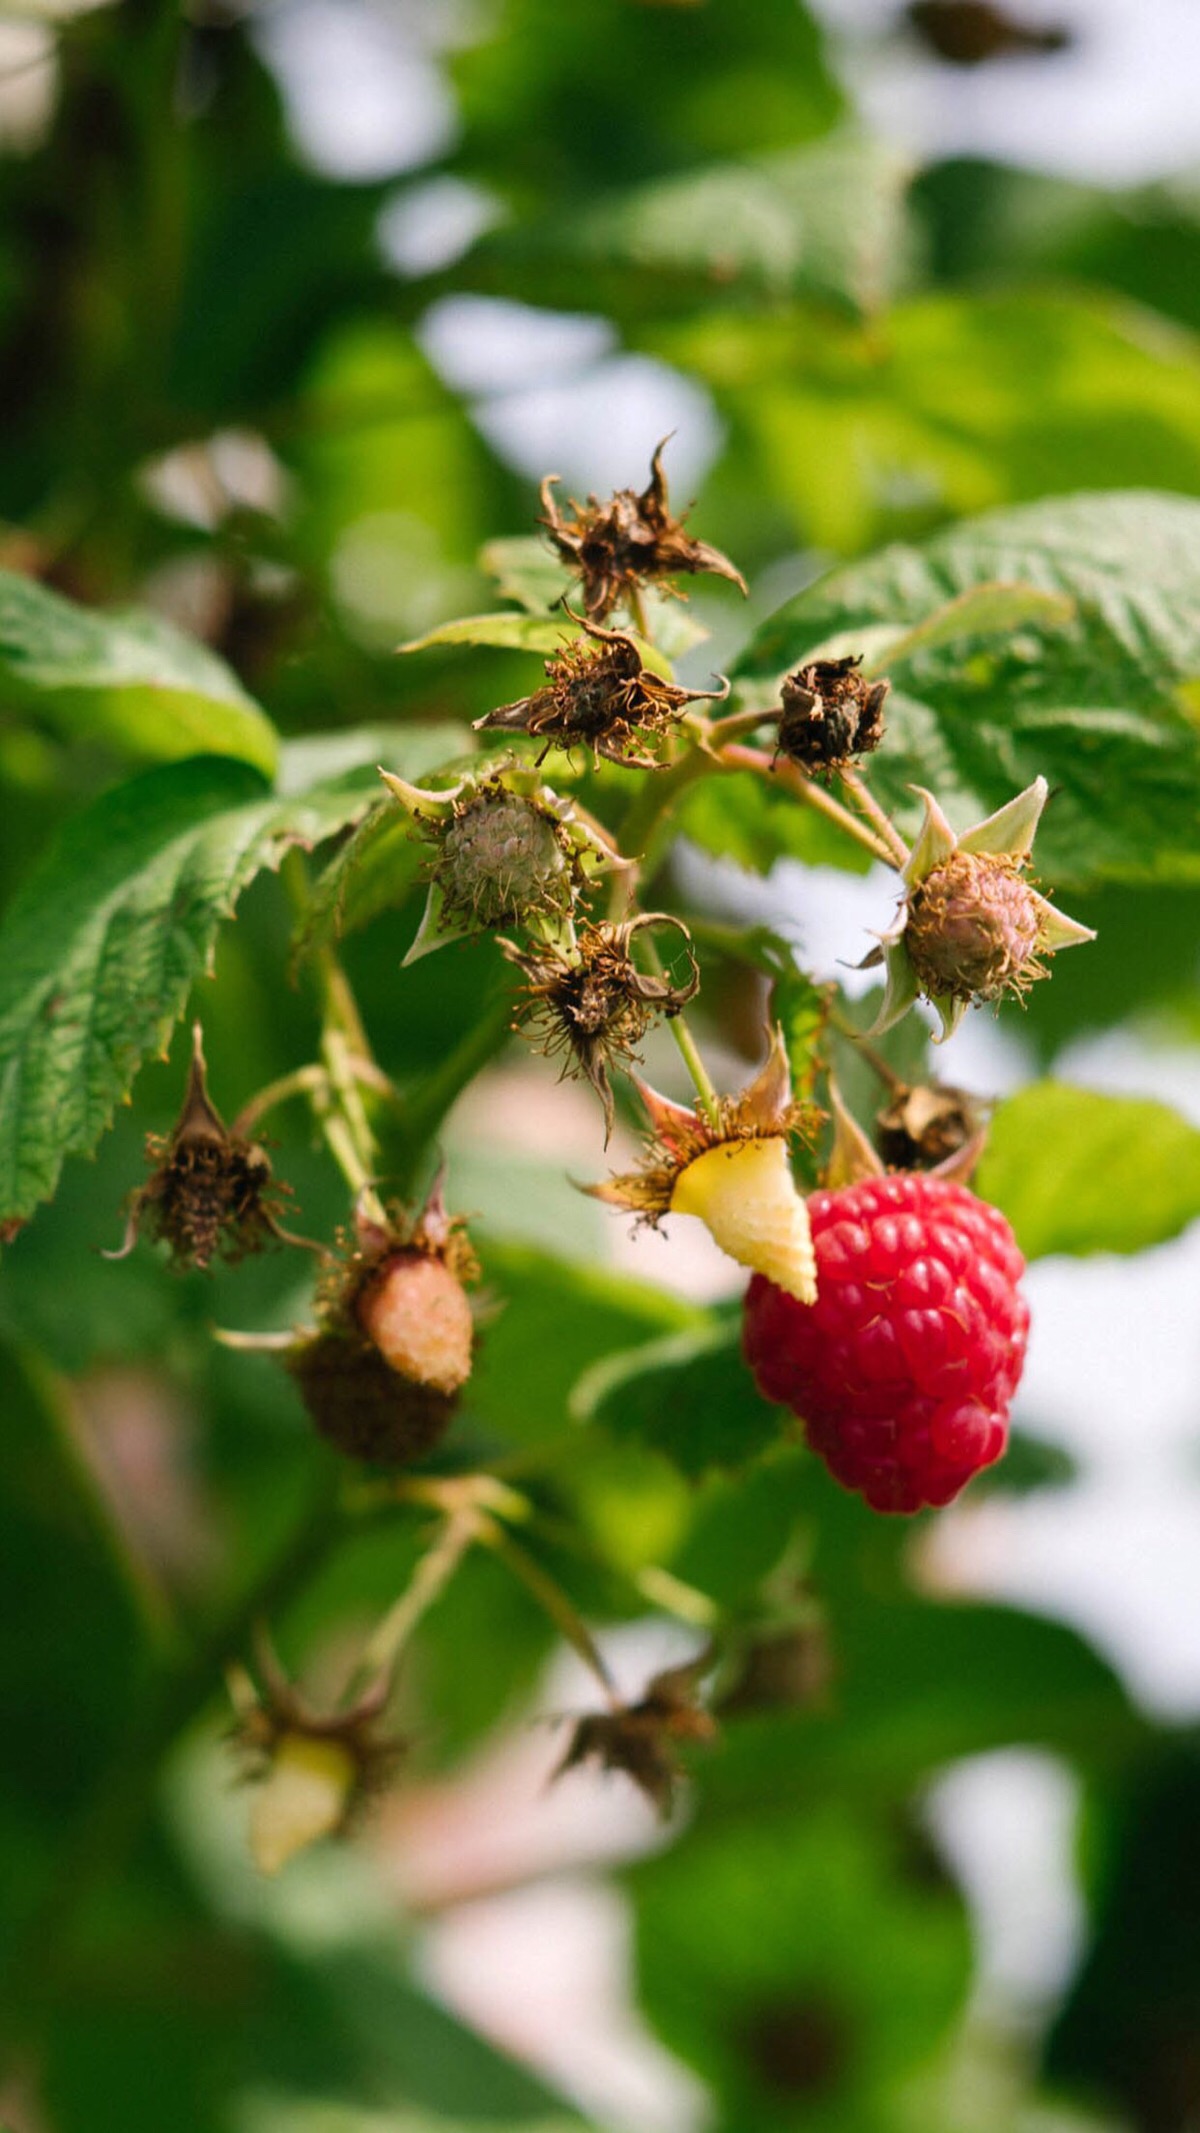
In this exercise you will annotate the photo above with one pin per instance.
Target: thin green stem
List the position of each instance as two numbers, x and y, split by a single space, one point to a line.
549 1596
377 1660
701 1079
302 1081
868 805
735 757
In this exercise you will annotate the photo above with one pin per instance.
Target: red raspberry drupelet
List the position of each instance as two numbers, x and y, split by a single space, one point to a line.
903 1369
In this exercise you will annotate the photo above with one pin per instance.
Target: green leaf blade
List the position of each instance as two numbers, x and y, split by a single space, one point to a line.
102 945
129 680
1079 1172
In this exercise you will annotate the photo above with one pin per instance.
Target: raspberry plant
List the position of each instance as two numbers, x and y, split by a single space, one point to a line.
332 1414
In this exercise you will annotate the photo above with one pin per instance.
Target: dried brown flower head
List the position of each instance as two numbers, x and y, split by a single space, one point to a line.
642 1739
593 1006
599 696
209 1193
382 1374
970 32
920 1128
314 1774
620 545
830 715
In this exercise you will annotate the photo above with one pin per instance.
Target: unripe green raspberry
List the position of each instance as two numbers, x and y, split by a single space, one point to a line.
500 860
973 930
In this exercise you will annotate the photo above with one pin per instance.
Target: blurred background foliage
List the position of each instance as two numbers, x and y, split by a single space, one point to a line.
276 395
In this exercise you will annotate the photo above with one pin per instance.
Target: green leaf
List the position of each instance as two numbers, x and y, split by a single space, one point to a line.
800 1964
527 571
966 402
1078 1172
129 680
1092 704
105 939
558 1318
689 1396
506 631
982 611
823 221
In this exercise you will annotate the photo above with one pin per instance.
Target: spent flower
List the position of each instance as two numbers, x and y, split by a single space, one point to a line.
643 1738
504 850
591 1006
830 714
210 1192
620 545
599 695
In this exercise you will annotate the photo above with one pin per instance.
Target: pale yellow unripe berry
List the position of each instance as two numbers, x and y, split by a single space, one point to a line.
743 1193
417 1315
305 1795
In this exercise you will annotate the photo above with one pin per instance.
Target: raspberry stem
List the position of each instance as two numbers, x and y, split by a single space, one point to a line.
734 757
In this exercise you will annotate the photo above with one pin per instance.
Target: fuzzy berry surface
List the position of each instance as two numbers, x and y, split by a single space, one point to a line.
904 1368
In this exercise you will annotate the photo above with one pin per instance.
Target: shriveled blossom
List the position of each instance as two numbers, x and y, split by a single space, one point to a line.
642 1739
734 1174
627 542
210 1193
973 927
599 695
830 714
591 1006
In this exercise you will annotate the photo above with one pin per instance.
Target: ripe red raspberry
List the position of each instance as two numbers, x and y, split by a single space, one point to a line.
903 1369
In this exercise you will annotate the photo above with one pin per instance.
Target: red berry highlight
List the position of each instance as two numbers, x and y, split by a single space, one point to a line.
904 1368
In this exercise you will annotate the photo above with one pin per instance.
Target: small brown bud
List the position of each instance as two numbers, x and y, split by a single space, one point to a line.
830 715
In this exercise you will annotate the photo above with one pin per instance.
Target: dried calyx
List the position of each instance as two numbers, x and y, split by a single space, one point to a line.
973 928
313 1774
382 1374
600 696
922 1127
628 541
210 1193
591 1006
732 1172
504 851
643 1738
830 714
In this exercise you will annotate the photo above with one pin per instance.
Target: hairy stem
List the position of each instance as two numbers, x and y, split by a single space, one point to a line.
793 779
868 805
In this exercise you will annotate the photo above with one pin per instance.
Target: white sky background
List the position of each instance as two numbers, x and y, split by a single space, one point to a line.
1114 1364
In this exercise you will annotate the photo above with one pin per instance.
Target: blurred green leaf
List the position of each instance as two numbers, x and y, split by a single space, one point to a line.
800 1963
960 403
1079 1172
110 931
689 1396
507 630
1092 705
558 1317
526 570
825 221
129 680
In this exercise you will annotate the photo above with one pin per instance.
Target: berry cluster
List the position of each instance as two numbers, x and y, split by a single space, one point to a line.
904 1367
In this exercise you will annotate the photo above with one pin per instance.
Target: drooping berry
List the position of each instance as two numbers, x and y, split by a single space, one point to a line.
904 1368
